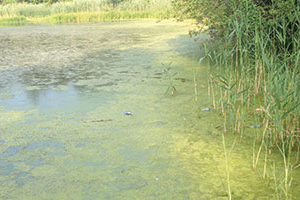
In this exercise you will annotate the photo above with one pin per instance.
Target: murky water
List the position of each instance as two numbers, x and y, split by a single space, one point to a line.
63 132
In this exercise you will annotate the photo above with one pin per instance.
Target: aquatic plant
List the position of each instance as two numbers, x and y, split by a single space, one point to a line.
170 77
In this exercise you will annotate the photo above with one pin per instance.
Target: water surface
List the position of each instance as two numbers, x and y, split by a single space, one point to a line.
63 133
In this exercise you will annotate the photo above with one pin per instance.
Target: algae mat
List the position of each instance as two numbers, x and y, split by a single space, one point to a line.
63 132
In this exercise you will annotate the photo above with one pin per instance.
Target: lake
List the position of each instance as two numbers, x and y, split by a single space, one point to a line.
112 111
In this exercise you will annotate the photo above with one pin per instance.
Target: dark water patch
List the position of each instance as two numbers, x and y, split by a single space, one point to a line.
93 163
83 143
23 178
11 151
2 141
140 124
45 144
80 145
125 183
6 168
35 162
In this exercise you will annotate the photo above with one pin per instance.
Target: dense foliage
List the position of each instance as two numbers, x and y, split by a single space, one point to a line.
251 34
218 15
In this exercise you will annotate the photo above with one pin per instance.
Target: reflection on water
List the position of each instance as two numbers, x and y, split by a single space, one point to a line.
63 131
65 99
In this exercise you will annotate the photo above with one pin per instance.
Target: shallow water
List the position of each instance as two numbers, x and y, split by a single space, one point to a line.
63 93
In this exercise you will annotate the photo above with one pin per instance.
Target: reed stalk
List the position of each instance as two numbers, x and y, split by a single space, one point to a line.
227 167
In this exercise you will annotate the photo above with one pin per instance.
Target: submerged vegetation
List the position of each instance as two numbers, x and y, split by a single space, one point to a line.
82 11
254 81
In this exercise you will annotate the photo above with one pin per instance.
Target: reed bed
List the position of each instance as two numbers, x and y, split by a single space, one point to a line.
93 17
13 21
255 84
83 11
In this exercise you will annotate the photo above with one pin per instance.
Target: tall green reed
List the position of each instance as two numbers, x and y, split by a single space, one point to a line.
83 11
75 6
255 83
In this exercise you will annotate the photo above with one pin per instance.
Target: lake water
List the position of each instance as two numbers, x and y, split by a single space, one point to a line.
63 132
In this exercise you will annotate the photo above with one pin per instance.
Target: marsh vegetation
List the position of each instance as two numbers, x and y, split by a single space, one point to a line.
81 11
254 81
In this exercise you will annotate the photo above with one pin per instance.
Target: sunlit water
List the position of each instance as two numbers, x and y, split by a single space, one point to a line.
63 132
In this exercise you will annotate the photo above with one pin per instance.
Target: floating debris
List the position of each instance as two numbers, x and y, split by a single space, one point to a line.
255 126
127 113
219 127
102 120
11 151
206 109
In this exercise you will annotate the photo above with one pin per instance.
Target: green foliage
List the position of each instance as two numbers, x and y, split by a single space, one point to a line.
92 17
15 21
24 10
219 15
84 11
75 6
